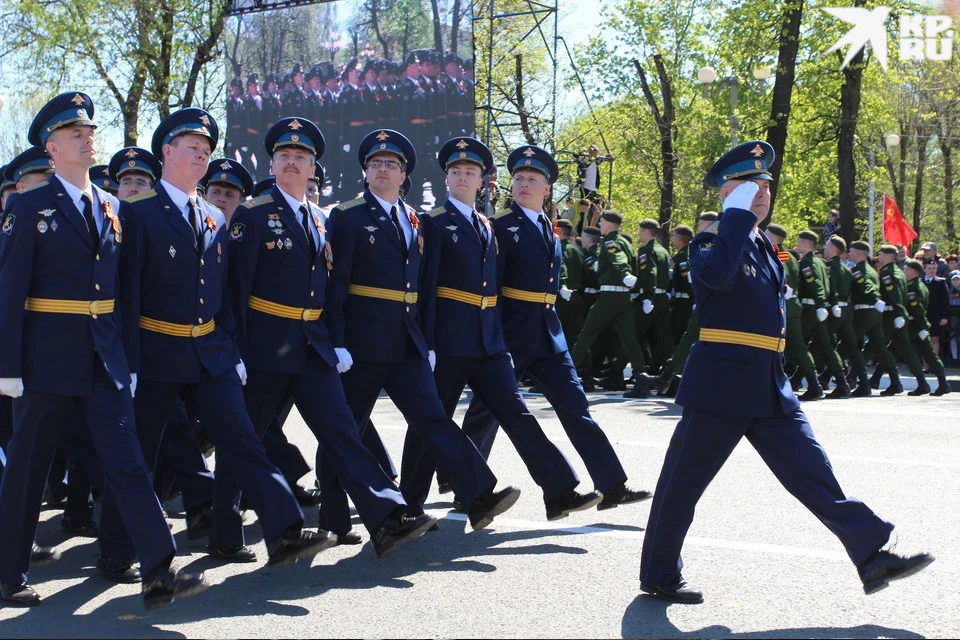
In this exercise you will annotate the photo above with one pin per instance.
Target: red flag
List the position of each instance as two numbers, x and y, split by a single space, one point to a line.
895 228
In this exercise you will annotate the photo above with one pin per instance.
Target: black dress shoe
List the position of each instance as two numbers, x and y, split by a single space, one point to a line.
292 546
240 554
676 590
55 498
19 595
169 585
199 524
394 532
570 501
80 528
40 556
885 566
490 505
119 571
621 494
348 538
305 497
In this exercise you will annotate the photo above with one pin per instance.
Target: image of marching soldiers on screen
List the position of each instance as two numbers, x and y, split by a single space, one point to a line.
427 95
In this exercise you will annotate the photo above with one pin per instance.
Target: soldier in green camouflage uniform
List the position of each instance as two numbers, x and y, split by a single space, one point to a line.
796 352
681 304
841 320
590 242
919 327
570 308
613 308
893 288
868 312
652 307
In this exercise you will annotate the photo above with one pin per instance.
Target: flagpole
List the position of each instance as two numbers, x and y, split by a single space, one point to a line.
873 194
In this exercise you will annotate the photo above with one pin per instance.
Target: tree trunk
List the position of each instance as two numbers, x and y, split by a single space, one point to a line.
521 109
207 49
455 26
918 188
665 120
849 113
437 32
782 91
946 151
375 20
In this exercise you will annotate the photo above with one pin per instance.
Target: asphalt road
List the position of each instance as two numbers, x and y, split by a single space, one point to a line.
767 567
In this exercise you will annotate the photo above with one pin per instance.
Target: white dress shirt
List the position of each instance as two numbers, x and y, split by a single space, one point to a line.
401 216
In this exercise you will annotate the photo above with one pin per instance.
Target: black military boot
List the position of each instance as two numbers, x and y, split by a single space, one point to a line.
796 381
875 378
824 378
922 387
843 388
863 389
814 389
895 386
943 387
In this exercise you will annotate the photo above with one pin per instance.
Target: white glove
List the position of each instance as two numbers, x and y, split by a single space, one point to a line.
741 197
12 387
693 308
133 385
629 281
596 267
789 295
647 306
898 322
923 334
689 277
880 306
565 293
634 296
836 311
432 359
242 372
345 360
821 314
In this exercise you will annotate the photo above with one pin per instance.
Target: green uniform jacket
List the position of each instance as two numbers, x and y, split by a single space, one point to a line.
614 260
866 284
590 267
573 264
681 276
917 296
893 288
841 281
792 279
653 270
814 283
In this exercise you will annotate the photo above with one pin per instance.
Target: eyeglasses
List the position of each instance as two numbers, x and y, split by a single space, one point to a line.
143 183
384 164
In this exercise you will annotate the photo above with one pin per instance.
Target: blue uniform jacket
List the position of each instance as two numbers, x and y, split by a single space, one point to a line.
164 278
456 260
367 252
47 253
526 262
270 259
734 293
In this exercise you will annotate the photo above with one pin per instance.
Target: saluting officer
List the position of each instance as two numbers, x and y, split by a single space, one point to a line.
529 274
868 314
893 288
841 322
177 331
135 171
60 253
463 326
919 327
280 261
735 387
613 309
374 300
814 294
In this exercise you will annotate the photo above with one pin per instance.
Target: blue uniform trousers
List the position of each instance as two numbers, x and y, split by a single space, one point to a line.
347 463
6 429
556 376
241 462
410 385
493 382
180 456
284 454
703 441
38 419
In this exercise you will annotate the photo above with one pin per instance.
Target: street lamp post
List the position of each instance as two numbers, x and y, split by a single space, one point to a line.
707 76
892 140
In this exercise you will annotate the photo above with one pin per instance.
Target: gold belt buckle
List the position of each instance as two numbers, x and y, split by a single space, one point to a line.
781 345
305 315
410 297
95 307
484 302
195 331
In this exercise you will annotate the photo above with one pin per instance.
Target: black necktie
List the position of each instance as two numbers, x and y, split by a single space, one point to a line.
396 223
305 220
547 230
195 223
91 223
476 225
764 262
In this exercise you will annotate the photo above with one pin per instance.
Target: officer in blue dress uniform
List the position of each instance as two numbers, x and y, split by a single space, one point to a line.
100 176
226 184
177 328
135 171
734 386
528 269
30 167
280 262
374 297
60 261
463 326
262 186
